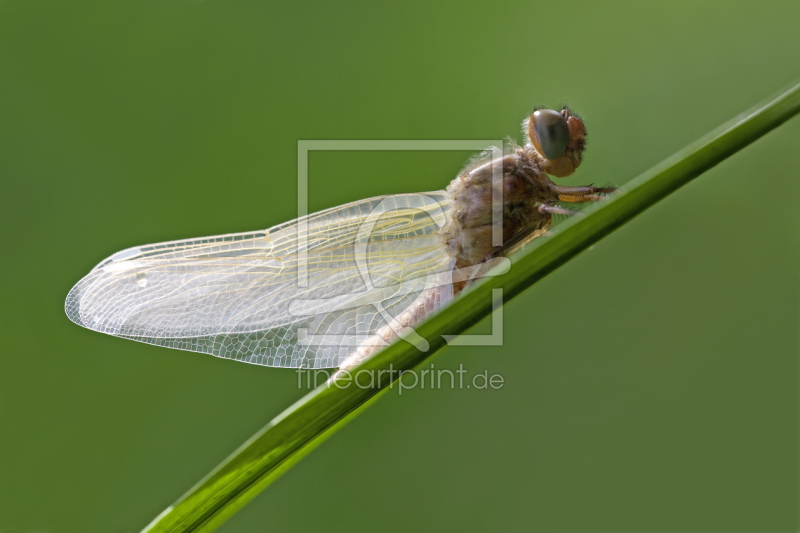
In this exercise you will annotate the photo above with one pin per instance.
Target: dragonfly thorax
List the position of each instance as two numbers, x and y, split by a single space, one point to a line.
523 186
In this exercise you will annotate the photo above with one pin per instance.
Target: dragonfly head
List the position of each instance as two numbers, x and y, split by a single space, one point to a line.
559 138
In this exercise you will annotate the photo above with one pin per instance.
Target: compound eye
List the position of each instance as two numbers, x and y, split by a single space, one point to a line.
549 133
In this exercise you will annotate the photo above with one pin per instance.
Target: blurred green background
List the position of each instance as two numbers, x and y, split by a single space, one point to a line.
651 384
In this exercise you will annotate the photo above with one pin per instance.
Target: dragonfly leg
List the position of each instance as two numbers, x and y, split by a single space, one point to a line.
570 198
588 193
554 210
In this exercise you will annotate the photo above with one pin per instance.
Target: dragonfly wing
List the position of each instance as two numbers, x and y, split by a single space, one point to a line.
301 294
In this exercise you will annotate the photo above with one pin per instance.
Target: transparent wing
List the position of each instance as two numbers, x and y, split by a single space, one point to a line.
301 294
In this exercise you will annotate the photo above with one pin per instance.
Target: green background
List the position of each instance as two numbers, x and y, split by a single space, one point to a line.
651 384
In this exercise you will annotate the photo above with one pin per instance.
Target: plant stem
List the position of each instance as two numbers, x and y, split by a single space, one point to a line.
304 425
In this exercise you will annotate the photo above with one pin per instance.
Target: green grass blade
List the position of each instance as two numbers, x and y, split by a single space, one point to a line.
303 426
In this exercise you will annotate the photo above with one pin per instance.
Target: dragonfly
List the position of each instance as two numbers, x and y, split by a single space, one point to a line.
330 289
